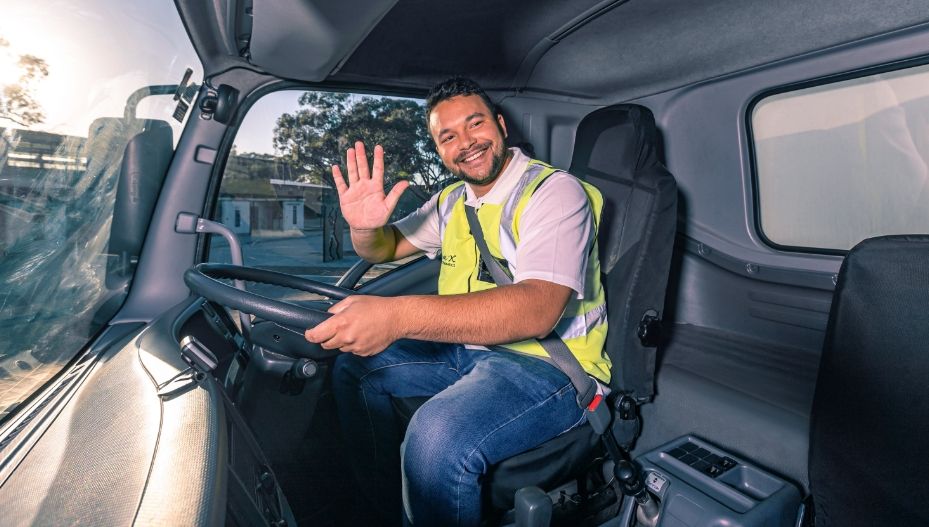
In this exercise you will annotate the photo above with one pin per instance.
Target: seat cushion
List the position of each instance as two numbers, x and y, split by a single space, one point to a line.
551 464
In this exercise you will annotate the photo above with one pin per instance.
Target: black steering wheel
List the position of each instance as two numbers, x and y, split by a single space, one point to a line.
291 319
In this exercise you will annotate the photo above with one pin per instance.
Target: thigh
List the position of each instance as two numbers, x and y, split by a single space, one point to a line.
408 368
503 405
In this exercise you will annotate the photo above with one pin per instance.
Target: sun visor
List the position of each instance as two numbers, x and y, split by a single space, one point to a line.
307 40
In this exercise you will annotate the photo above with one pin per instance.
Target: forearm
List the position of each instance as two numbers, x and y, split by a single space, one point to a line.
497 316
375 245
365 325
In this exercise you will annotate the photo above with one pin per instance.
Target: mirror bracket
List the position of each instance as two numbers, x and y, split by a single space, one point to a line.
219 103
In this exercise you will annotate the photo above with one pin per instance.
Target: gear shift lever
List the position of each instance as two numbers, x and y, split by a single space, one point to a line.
633 485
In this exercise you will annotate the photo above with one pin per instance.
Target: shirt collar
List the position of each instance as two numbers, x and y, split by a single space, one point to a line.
504 184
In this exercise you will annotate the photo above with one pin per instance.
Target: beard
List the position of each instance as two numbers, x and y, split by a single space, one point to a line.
496 166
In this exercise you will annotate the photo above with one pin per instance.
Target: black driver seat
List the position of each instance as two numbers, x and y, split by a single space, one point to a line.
617 150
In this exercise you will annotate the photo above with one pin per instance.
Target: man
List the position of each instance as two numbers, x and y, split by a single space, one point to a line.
487 404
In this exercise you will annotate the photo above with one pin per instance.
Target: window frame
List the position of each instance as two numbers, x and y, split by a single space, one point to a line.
755 184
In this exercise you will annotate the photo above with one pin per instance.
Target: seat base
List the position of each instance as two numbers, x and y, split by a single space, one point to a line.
561 459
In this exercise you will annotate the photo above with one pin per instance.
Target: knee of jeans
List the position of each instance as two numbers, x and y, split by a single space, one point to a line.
436 449
347 371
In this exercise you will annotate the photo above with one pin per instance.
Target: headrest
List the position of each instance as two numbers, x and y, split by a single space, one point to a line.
608 139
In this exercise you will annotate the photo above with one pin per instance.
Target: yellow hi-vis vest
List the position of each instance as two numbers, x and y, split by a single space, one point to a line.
583 325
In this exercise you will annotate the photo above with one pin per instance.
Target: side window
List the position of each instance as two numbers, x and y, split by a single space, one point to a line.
79 85
277 192
845 161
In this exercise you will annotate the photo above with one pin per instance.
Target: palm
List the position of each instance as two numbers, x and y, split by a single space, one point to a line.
364 205
362 199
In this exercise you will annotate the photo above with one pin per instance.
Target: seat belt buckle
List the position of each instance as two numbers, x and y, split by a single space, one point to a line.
598 414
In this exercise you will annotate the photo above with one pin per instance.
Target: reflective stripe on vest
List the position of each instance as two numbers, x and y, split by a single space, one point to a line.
583 325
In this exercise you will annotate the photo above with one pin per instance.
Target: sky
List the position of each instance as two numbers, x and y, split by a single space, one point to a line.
257 130
98 52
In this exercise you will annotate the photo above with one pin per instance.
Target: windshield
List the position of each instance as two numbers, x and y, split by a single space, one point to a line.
78 82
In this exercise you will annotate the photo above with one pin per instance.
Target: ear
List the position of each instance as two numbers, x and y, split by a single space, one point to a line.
502 124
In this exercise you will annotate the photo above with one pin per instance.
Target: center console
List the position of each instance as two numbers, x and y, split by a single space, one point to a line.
700 484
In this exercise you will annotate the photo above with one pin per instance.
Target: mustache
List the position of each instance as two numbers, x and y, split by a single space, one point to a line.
473 150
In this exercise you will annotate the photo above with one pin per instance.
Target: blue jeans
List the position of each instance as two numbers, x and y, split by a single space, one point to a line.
486 406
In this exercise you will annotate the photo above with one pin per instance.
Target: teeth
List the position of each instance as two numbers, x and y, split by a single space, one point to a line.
474 156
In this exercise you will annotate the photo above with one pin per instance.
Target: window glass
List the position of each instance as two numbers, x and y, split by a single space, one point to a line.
845 161
277 192
78 81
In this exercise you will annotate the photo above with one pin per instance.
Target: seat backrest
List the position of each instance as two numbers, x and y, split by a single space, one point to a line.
143 148
617 150
869 437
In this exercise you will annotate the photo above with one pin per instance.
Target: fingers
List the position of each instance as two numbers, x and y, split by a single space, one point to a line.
321 333
378 171
352 164
356 161
334 343
361 159
393 197
330 340
325 333
350 328
341 305
340 185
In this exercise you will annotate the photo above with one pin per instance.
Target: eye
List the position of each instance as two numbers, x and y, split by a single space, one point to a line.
446 139
475 124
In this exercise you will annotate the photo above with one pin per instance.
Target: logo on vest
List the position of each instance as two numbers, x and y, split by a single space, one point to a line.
448 259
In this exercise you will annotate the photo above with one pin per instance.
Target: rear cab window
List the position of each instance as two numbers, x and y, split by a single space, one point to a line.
277 193
844 161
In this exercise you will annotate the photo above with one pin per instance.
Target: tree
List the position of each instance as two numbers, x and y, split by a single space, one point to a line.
316 136
17 103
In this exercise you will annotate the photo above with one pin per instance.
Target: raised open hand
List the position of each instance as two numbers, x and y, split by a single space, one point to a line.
364 204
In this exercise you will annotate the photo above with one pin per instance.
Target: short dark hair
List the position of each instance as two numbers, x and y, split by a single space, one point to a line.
454 87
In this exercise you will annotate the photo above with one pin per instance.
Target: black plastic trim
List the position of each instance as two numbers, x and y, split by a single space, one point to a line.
758 271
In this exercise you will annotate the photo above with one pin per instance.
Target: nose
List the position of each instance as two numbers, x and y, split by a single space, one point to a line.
467 140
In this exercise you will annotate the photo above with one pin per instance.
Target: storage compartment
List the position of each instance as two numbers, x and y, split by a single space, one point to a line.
751 482
699 484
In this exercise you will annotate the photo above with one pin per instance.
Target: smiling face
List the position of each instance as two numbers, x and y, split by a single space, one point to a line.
470 140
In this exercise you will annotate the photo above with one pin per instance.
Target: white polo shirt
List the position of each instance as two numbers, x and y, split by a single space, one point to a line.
556 229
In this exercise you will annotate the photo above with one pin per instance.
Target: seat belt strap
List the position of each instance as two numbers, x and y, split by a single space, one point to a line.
584 385
500 274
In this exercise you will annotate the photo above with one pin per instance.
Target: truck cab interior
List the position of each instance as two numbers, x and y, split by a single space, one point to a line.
168 230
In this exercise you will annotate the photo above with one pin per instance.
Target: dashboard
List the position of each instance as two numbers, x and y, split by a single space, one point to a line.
131 433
